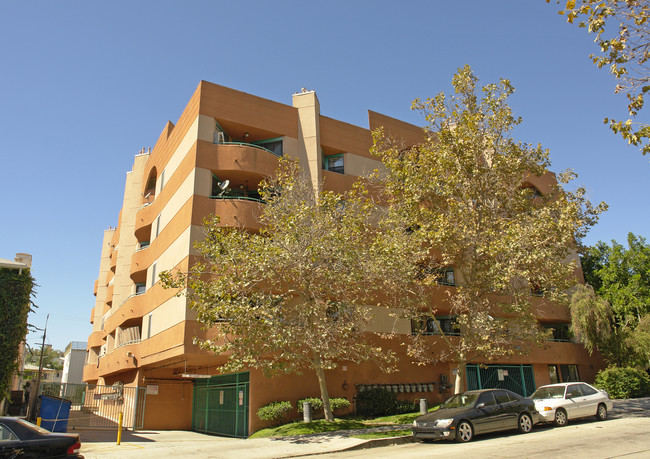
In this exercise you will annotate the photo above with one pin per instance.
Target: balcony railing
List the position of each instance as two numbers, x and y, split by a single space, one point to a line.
244 144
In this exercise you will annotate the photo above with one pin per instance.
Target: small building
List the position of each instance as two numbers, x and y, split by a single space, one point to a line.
74 359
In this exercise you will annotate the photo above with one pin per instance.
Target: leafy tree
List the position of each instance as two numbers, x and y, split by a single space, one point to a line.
296 296
51 357
464 191
16 290
620 277
622 34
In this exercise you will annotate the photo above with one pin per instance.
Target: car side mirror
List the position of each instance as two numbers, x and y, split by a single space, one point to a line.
480 405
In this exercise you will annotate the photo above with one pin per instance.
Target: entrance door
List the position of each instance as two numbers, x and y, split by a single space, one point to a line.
220 405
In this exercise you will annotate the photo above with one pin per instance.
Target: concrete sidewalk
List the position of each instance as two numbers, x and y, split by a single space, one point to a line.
181 444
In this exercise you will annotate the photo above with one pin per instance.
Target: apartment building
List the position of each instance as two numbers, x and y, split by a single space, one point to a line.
210 162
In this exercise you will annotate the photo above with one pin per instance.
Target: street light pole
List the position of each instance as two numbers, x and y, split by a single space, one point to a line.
34 393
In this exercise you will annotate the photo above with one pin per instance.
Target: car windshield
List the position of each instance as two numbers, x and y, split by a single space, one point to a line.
548 392
460 401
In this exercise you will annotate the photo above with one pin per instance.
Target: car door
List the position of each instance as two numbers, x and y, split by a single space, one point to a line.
489 413
509 408
576 401
591 399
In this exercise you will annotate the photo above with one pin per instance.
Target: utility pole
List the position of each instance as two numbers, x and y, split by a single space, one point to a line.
34 394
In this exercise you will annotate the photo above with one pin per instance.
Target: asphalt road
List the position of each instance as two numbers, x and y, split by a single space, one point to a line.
626 433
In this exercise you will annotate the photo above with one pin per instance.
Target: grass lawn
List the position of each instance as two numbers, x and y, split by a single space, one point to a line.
321 425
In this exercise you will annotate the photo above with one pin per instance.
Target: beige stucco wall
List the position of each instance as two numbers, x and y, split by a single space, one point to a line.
309 135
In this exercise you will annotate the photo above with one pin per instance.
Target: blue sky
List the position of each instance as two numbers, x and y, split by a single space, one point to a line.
84 85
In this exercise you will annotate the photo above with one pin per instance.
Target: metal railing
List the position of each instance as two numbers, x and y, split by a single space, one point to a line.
96 406
244 144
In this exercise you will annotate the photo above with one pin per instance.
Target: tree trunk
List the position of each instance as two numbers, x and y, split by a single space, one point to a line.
459 385
324 395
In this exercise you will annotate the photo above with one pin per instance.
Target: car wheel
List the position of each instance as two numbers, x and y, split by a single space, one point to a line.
525 423
601 412
561 418
464 432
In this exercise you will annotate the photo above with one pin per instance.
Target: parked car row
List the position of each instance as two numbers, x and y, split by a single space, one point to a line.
490 410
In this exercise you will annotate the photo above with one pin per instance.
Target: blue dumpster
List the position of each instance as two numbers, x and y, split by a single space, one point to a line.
54 413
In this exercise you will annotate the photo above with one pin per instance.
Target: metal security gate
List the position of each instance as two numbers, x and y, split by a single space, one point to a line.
96 406
220 405
517 378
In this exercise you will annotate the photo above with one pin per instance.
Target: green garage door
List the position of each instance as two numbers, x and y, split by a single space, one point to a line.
220 405
517 378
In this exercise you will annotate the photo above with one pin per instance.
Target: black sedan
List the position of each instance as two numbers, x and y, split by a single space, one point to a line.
22 439
476 412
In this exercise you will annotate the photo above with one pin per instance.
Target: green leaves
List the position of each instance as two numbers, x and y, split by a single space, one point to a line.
466 188
621 34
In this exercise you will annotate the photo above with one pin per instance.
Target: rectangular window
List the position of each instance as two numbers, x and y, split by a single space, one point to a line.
560 332
157 226
144 245
273 145
140 288
431 326
553 374
149 319
154 279
448 277
334 163
162 179
569 373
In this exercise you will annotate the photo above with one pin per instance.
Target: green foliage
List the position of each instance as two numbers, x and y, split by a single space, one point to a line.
16 290
465 190
615 317
317 404
624 382
380 402
274 411
51 358
298 295
623 38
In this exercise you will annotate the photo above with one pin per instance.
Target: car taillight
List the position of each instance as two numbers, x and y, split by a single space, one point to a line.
74 449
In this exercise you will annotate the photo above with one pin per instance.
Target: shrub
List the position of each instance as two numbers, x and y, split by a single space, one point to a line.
317 404
339 403
624 382
377 402
274 411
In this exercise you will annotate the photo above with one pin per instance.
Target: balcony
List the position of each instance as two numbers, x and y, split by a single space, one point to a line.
92 315
95 288
238 212
90 372
238 158
96 339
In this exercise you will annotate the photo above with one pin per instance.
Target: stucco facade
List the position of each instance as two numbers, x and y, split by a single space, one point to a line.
144 335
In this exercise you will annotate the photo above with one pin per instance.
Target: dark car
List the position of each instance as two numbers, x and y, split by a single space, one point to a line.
19 438
476 412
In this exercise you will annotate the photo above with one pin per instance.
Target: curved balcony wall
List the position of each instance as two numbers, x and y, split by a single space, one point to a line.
95 287
96 339
139 264
92 315
236 158
113 260
119 360
109 294
233 212
90 372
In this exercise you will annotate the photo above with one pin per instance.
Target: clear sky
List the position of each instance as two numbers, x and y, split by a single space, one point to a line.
85 84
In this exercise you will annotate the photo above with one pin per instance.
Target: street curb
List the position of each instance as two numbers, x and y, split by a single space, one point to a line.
379 442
